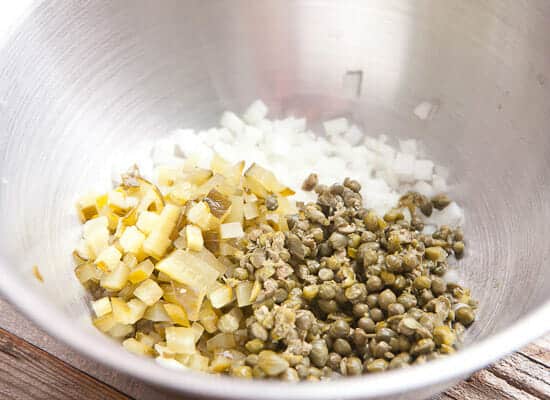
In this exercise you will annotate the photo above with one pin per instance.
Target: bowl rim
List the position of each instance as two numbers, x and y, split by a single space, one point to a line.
437 372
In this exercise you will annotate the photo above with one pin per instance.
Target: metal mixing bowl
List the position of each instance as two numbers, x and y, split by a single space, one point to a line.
82 82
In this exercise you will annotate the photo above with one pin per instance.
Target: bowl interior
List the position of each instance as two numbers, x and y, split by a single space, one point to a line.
82 85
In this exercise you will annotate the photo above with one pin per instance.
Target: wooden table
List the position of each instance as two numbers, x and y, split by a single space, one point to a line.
34 366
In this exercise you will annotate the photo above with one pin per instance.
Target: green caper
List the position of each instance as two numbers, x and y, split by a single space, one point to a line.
465 315
376 314
342 347
319 353
360 309
440 201
458 248
422 282
326 274
439 286
423 346
377 365
394 263
395 309
367 324
374 284
334 360
351 366
338 241
339 329
407 300
386 298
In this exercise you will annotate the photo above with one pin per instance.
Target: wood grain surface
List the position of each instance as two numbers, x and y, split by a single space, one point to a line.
35 366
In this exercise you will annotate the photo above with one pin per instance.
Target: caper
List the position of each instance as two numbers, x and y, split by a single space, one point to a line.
271 363
338 241
410 261
360 309
319 353
367 324
242 371
271 202
407 300
465 315
377 365
374 284
339 329
351 366
376 314
372 300
423 346
422 282
395 309
439 286
458 248
310 183
352 184
326 274
400 283
342 347
399 361
441 201
386 298
394 263
327 291
334 360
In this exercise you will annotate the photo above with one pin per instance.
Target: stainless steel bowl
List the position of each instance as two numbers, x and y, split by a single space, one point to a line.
82 82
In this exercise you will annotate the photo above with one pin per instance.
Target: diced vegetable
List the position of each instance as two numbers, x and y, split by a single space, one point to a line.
127 313
184 267
138 348
236 210
243 292
115 279
191 300
141 272
102 306
198 329
177 314
132 240
156 313
251 211
86 207
199 214
208 317
221 296
116 200
180 340
158 240
146 221
193 235
218 203
182 192
231 230
267 179
108 259
105 322
221 341
87 272
149 292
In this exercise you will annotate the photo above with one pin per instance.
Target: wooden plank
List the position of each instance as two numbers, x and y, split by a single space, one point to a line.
484 385
524 374
27 372
15 322
538 351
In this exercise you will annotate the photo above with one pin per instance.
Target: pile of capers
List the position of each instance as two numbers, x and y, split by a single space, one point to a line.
352 292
